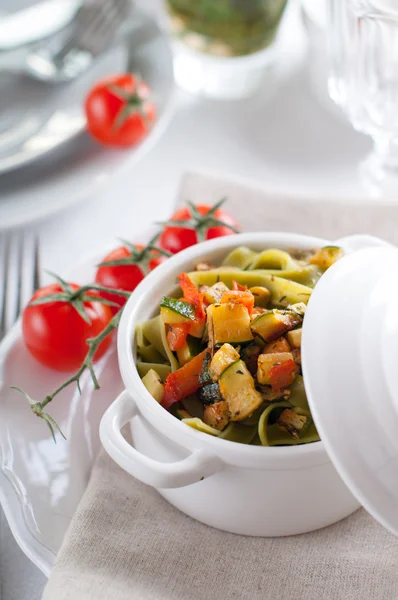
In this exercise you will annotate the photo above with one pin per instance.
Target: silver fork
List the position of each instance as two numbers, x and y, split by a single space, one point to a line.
93 30
20 275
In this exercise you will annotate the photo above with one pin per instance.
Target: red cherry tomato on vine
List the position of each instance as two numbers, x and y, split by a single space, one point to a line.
196 224
119 110
56 334
125 276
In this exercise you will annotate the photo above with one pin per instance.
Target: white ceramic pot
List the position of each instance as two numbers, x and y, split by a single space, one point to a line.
243 489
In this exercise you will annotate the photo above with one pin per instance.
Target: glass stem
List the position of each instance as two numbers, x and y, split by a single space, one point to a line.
385 152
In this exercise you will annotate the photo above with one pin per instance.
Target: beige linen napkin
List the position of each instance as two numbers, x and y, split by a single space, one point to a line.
126 542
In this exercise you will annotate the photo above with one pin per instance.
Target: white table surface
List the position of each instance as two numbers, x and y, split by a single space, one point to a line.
280 137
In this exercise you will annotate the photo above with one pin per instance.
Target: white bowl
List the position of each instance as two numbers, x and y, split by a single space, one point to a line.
251 490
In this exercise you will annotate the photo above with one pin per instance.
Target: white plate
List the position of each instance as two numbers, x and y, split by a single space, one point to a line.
54 122
42 483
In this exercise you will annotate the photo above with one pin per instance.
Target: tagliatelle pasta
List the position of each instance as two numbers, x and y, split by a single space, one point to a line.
224 356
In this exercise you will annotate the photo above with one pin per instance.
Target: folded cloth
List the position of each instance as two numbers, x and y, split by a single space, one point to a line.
125 542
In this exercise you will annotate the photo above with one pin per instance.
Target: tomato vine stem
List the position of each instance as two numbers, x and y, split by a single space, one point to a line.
38 407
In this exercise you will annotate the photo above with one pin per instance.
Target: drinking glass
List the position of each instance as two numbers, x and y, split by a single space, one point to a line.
221 47
363 45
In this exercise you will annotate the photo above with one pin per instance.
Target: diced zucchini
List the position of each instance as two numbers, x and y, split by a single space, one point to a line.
237 388
299 308
262 296
228 323
275 323
293 423
214 293
217 415
176 311
224 357
294 338
283 291
210 394
327 256
279 345
198 424
191 348
154 385
267 361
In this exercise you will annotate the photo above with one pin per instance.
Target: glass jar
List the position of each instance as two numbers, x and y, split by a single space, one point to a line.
217 41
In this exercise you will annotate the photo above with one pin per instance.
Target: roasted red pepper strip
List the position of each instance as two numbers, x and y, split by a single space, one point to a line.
193 296
177 335
183 382
238 286
281 376
239 297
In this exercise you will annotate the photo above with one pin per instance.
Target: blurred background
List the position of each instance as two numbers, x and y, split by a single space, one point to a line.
288 94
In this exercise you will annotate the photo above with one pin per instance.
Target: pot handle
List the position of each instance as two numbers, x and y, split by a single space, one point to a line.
351 243
193 468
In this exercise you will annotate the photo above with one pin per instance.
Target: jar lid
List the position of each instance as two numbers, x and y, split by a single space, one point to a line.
350 367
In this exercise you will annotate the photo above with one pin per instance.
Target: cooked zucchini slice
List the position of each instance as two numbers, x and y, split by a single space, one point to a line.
283 291
275 323
299 308
154 385
327 256
191 348
267 361
294 338
237 388
224 357
217 415
293 423
213 294
262 295
278 345
228 323
176 311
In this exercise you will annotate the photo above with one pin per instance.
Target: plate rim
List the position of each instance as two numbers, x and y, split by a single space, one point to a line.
37 552
130 156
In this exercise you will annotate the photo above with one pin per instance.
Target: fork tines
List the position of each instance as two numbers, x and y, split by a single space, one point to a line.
19 275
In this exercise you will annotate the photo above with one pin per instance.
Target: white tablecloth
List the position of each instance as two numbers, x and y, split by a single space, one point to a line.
275 140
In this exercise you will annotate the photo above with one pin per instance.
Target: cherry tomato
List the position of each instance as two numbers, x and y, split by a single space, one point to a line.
202 222
125 276
119 110
56 334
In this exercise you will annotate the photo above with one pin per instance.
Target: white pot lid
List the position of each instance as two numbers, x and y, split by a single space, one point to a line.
350 367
